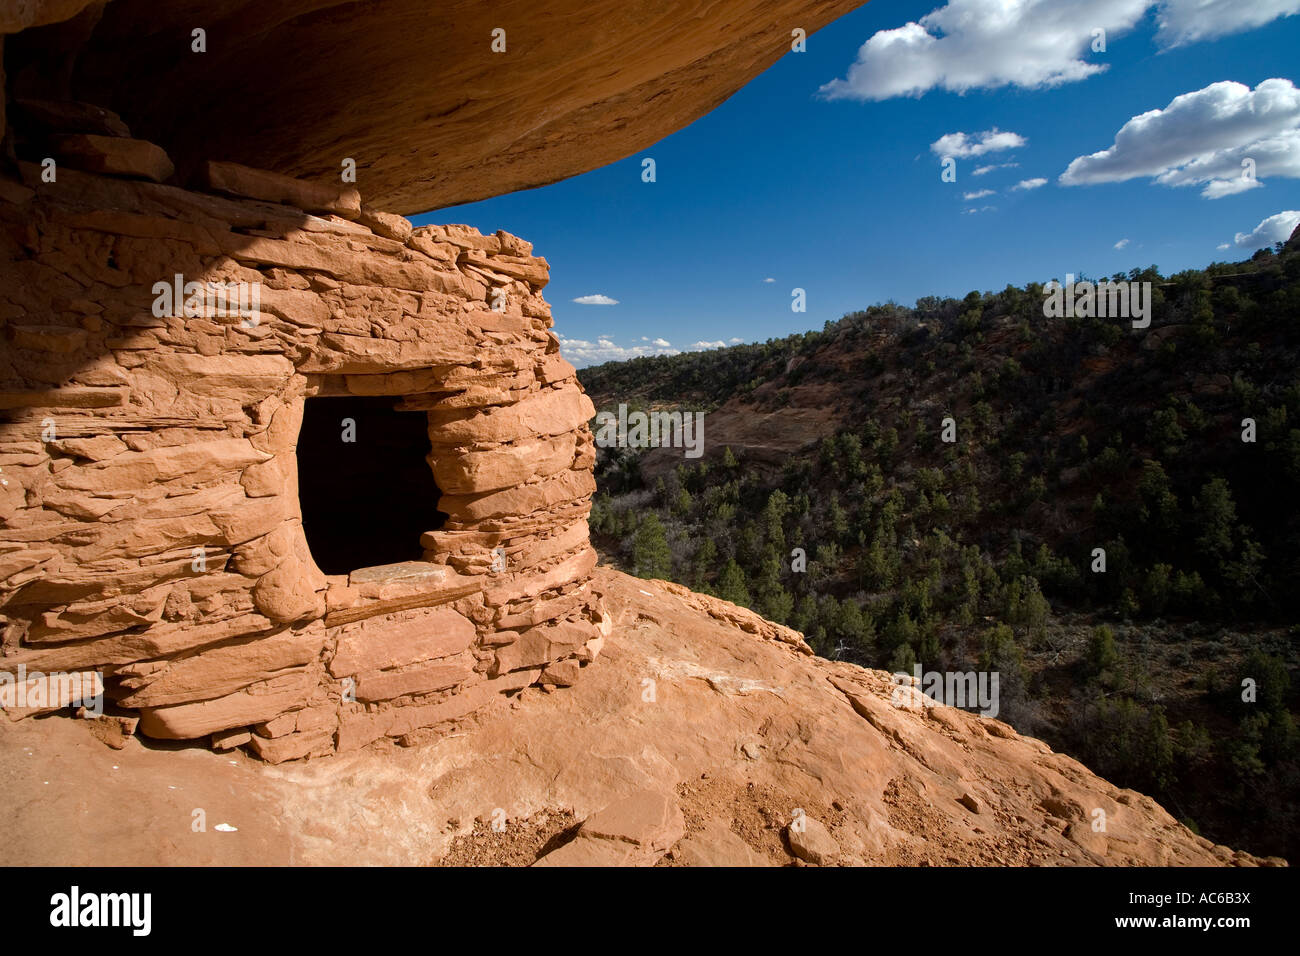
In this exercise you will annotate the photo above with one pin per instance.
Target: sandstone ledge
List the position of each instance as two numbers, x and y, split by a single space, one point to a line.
742 731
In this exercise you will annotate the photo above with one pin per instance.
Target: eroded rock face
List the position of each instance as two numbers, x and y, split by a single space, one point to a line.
412 90
160 346
22 14
748 752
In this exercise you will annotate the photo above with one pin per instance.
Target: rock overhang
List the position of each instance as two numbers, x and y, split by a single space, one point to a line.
419 95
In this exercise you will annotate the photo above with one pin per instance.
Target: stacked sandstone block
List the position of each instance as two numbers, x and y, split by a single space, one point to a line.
132 443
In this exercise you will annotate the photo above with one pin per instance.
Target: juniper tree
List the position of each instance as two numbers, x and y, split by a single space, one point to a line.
650 553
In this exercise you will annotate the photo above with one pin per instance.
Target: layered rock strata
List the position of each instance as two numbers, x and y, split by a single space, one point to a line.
436 103
749 752
150 527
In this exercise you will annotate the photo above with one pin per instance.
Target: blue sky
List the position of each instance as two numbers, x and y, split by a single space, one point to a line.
837 189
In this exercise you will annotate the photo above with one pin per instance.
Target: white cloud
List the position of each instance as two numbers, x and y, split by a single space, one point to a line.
583 353
978 194
982 170
735 341
964 146
1026 184
1239 168
595 300
1276 228
985 44
769 280
1187 21
1224 245
1218 188
1224 136
973 211
1121 244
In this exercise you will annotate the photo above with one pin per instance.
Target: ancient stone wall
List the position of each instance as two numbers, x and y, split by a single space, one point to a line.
150 526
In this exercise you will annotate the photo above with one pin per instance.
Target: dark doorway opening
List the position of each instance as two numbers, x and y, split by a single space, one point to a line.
366 489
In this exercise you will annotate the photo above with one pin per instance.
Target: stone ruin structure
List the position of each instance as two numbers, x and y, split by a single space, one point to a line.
281 469
152 524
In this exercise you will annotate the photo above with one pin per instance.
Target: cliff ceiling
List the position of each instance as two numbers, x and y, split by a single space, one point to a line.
411 90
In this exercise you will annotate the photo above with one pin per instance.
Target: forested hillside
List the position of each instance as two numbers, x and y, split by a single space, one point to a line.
1174 449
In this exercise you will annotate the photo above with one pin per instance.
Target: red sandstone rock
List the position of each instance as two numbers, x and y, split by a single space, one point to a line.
237 180
254 704
205 463
230 739
550 412
563 674
385 224
68 117
290 592
811 841
888 795
226 668
357 728
526 498
381 645
635 831
504 466
113 731
35 13
277 726
418 679
541 645
715 844
42 693
114 155
69 397
293 746
620 76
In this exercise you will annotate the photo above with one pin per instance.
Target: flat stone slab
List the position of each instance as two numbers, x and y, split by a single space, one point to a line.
406 571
